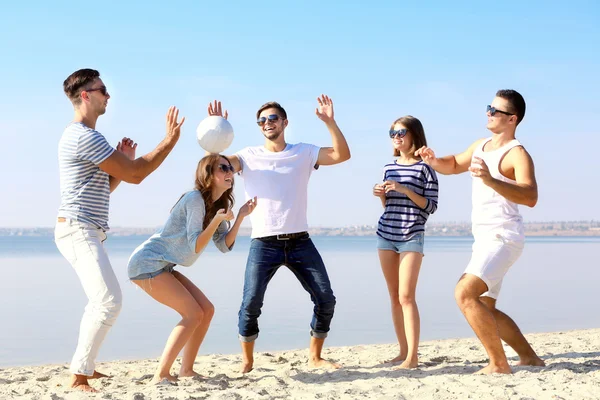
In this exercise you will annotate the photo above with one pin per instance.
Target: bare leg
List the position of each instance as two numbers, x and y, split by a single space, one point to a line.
390 266
166 289
482 321
247 356
315 360
410 265
190 352
511 334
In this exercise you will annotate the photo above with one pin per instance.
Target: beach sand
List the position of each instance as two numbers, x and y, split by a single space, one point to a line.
445 372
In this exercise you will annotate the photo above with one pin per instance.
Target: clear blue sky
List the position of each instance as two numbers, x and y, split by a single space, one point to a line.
377 60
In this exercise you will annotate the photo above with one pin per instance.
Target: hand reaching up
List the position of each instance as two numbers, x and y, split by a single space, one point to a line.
174 127
325 109
216 110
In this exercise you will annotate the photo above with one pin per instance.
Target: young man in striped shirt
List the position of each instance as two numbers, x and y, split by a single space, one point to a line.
90 169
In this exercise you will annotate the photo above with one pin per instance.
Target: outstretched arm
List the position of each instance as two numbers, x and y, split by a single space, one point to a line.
119 166
340 151
217 109
448 165
525 190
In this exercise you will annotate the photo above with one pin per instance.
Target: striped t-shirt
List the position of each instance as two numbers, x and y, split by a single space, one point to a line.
84 187
402 218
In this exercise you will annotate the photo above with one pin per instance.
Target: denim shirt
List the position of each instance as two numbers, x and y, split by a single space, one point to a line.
175 243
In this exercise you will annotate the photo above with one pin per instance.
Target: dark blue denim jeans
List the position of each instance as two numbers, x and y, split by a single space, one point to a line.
302 258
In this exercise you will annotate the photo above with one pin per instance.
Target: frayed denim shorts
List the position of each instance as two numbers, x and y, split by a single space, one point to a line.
150 275
416 244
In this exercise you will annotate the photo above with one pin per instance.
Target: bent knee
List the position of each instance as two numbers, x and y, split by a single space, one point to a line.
406 300
328 304
209 310
463 294
114 305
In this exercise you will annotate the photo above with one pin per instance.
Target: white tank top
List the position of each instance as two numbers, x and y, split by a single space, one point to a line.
494 216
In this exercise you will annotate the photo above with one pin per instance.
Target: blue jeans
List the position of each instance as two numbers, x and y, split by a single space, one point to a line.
302 258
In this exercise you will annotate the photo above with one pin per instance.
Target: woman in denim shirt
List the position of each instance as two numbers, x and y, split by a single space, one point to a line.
198 216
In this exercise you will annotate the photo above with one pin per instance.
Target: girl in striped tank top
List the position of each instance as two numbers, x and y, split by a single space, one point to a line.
409 194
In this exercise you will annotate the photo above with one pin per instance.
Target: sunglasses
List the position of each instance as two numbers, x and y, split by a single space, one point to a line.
494 110
400 133
101 89
271 118
226 168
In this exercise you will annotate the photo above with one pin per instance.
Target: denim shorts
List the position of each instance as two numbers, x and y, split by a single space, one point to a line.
415 244
150 275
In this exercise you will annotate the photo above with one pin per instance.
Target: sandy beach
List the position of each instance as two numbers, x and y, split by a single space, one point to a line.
445 372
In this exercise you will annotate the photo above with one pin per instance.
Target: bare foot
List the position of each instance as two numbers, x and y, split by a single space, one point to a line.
408 364
395 360
533 362
159 380
80 382
321 363
98 375
191 374
246 367
494 369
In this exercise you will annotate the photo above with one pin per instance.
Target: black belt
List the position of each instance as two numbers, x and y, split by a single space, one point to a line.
286 236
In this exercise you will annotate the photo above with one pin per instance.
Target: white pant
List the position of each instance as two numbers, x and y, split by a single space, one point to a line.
82 245
491 260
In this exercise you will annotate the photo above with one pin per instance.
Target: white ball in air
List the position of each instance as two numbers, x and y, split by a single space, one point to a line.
214 134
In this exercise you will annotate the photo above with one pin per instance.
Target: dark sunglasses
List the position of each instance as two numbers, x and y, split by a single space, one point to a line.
272 118
400 132
101 89
226 168
494 110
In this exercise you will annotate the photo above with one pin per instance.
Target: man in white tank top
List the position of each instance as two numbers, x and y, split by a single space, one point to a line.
503 177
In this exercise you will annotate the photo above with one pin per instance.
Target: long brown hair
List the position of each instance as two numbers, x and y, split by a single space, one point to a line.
414 126
204 184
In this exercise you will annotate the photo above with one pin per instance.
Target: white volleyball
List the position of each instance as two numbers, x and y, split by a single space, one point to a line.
214 134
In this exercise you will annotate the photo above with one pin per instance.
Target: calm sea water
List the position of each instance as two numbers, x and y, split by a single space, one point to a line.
552 287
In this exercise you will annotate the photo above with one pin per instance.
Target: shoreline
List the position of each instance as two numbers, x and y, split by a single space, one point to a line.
445 372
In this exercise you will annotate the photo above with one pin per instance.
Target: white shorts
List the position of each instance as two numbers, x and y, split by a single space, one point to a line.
491 260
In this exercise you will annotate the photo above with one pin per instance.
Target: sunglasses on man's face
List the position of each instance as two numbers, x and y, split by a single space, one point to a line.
101 89
271 118
494 110
226 168
400 133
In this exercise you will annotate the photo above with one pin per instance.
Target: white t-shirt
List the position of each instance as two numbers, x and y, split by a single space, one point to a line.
279 180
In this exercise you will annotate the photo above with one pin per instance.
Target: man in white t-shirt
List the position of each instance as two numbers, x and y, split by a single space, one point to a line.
503 178
277 175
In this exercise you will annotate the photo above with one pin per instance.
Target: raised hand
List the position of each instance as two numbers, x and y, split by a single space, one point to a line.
427 155
479 169
247 208
379 190
393 186
174 127
127 147
325 109
216 109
